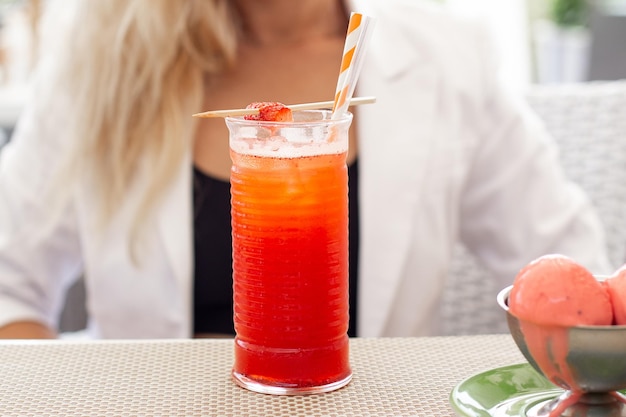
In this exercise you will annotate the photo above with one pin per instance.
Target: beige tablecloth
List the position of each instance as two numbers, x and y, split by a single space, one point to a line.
392 377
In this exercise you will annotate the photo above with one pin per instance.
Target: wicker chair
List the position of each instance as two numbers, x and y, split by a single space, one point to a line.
588 121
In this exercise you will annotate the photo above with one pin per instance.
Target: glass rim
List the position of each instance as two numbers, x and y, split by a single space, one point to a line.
346 117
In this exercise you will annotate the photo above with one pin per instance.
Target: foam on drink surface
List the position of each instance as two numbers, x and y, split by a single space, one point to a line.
308 135
275 147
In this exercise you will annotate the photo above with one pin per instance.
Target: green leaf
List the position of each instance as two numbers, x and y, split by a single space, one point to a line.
569 13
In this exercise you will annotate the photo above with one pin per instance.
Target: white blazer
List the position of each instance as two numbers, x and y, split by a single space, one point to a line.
444 154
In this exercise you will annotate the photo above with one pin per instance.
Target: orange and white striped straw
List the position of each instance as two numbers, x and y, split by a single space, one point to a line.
359 31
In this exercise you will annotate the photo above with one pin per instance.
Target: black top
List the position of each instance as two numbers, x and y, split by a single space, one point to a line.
213 286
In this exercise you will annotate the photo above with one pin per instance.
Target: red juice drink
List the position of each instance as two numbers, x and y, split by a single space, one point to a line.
289 197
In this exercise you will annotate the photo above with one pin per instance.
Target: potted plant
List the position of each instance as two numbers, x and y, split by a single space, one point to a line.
569 13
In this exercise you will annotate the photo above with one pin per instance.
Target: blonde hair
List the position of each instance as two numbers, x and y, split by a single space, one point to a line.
135 77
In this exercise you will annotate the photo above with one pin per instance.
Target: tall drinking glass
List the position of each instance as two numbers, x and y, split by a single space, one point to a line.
289 197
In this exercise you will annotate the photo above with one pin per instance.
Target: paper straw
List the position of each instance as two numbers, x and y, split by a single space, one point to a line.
359 31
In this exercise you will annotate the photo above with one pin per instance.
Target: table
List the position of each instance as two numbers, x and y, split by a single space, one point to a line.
392 377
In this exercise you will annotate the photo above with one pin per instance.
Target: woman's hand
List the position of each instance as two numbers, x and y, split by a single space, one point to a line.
26 330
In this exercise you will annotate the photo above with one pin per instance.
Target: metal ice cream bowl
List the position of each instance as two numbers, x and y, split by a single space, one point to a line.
588 359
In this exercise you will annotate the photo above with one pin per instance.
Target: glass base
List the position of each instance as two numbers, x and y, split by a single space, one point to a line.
252 385
569 404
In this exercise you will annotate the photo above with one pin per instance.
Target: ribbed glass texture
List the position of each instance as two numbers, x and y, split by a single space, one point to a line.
290 266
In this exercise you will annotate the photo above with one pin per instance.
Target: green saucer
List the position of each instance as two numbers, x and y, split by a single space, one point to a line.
520 391
502 392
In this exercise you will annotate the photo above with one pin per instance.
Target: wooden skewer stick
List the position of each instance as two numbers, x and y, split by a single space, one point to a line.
294 107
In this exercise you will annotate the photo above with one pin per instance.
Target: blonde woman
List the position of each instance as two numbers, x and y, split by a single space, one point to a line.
108 177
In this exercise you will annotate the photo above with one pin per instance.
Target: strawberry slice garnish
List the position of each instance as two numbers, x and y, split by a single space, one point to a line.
270 111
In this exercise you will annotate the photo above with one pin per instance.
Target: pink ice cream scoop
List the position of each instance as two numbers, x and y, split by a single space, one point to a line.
556 290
